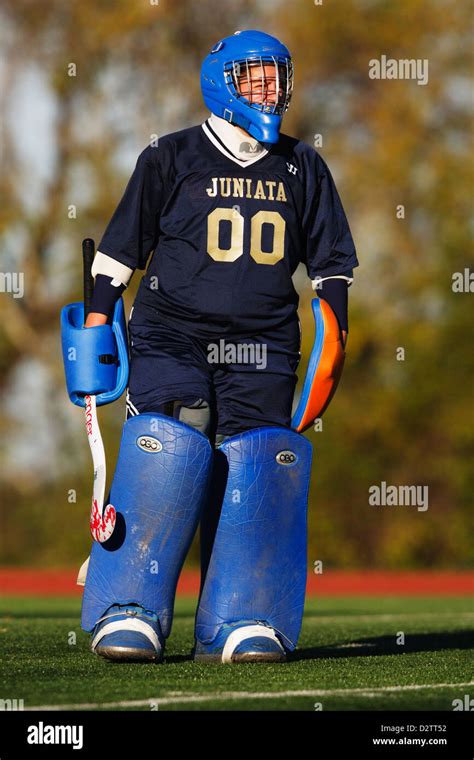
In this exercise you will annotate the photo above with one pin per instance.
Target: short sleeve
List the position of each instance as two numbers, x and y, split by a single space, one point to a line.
330 249
132 233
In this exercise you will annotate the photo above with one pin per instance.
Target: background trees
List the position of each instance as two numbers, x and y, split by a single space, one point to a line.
69 144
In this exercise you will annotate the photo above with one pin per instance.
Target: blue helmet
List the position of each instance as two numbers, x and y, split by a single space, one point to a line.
228 85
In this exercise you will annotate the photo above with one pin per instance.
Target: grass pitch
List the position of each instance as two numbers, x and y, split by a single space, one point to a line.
354 653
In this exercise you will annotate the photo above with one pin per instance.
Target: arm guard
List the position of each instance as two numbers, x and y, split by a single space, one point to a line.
324 367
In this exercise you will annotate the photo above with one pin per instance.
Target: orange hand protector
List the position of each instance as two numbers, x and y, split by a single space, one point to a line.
324 367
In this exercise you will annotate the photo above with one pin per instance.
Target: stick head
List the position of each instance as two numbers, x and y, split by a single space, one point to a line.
102 525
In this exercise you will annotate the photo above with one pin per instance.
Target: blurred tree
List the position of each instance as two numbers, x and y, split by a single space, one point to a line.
73 141
395 143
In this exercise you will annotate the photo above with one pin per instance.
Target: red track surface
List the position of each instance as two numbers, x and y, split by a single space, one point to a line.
62 582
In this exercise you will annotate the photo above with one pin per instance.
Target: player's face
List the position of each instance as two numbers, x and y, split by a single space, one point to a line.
258 84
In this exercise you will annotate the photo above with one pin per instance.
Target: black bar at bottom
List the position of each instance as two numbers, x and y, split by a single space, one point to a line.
321 734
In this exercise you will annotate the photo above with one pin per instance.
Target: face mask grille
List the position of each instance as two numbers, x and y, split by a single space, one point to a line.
265 80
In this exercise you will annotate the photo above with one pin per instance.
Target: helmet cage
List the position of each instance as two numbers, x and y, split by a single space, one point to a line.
283 78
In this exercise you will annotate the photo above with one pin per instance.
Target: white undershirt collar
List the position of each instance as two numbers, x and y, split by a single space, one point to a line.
244 150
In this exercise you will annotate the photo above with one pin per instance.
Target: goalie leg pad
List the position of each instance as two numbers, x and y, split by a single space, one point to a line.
159 488
257 567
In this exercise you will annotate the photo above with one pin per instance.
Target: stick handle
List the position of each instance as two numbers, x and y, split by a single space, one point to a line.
88 251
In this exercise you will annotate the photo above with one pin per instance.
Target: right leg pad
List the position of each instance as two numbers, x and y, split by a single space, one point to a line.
159 488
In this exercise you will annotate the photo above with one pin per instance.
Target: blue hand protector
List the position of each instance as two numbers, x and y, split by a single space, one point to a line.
95 358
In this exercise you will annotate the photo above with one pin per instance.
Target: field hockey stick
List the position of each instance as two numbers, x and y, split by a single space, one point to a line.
102 521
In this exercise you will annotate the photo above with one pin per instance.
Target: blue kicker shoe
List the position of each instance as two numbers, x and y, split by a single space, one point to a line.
128 632
239 642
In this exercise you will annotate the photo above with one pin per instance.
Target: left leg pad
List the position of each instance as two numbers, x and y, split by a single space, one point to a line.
257 567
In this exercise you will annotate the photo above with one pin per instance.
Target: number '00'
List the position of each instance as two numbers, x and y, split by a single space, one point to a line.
237 235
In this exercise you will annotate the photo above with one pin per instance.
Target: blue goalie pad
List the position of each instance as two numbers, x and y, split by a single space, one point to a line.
95 358
159 487
257 566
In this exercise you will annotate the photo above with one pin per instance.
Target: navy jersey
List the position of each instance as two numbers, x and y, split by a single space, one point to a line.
227 238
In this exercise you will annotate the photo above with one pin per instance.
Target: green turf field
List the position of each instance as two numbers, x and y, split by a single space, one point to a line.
348 659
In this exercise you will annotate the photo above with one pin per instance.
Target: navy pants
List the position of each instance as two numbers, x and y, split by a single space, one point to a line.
248 381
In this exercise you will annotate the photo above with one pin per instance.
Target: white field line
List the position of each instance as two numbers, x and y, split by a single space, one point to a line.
175 698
